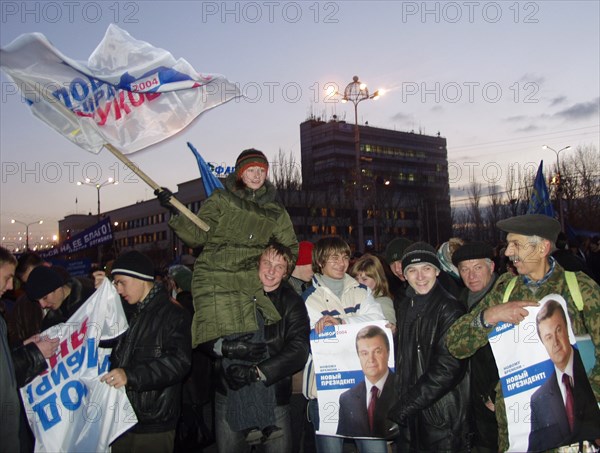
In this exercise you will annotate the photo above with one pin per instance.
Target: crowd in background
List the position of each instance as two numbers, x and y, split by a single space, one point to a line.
232 367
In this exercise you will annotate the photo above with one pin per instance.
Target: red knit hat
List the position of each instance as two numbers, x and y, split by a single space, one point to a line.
250 158
305 249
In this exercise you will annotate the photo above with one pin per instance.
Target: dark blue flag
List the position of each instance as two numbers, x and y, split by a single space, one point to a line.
210 181
540 198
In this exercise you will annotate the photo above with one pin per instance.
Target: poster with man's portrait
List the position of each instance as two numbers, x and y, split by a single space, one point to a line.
354 370
548 397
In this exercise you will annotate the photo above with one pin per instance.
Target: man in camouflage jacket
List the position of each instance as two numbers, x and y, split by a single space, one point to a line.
530 242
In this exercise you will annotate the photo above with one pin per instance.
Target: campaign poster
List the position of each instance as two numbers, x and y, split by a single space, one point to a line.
349 360
548 397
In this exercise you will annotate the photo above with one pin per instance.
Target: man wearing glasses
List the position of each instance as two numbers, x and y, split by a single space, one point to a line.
531 240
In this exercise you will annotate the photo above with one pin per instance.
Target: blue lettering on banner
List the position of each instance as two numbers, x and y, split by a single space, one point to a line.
526 378
339 380
500 328
97 234
63 373
47 412
328 333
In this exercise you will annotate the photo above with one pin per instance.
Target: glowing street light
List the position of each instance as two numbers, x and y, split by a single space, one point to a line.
356 92
98 186
27 225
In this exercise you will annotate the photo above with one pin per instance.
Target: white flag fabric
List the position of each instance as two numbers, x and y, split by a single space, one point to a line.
67 406
129 94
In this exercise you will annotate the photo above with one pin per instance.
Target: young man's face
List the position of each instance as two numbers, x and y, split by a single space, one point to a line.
555 337
421 277
335 266
53 300
7 273
373 355
133 290
396 268
271 270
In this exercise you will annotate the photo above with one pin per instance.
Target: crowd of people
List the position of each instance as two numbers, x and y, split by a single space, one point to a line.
218 354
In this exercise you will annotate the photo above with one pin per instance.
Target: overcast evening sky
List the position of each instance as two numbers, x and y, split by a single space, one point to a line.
497 79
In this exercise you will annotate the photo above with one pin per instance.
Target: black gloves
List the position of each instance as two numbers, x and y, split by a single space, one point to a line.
237 376
164 195
241 349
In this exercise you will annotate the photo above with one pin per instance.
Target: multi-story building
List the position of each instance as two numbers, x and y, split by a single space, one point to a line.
404 178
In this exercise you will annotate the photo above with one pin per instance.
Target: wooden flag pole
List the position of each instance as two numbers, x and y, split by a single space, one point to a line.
174 201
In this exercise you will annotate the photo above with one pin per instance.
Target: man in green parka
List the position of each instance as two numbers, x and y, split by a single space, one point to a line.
242 218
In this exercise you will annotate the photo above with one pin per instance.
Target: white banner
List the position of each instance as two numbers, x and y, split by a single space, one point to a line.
532 358
129 93
67 406
341 362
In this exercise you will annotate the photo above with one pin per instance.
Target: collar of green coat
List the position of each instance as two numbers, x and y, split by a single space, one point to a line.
266 194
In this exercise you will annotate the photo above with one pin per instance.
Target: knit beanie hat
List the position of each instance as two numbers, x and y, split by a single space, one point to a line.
42 281
250 158
419 253
395 249
305 249
182 276
472 251
134 264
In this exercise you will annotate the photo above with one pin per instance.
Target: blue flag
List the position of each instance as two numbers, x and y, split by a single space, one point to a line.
210 181
540 198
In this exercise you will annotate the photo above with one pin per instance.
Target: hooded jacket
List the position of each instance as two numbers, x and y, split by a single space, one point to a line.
225 284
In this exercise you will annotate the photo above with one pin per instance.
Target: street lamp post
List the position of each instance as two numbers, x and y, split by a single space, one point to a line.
356 92
561 214
98 186
27 225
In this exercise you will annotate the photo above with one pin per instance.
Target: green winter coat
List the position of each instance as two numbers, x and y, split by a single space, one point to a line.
225 284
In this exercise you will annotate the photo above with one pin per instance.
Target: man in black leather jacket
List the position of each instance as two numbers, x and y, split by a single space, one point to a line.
432 386
151 359
287 343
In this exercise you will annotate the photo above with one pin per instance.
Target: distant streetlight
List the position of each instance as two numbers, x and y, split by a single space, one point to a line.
561 214
27 225
98 186
356 92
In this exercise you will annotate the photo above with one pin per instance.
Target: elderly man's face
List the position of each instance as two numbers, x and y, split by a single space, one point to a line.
527 256
555 337
373 355
476 274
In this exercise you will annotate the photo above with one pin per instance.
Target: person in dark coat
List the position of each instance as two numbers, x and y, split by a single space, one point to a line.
476 268
287 344
432 386
62 297
151 359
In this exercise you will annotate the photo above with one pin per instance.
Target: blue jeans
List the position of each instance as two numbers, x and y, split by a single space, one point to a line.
333 444
229 441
